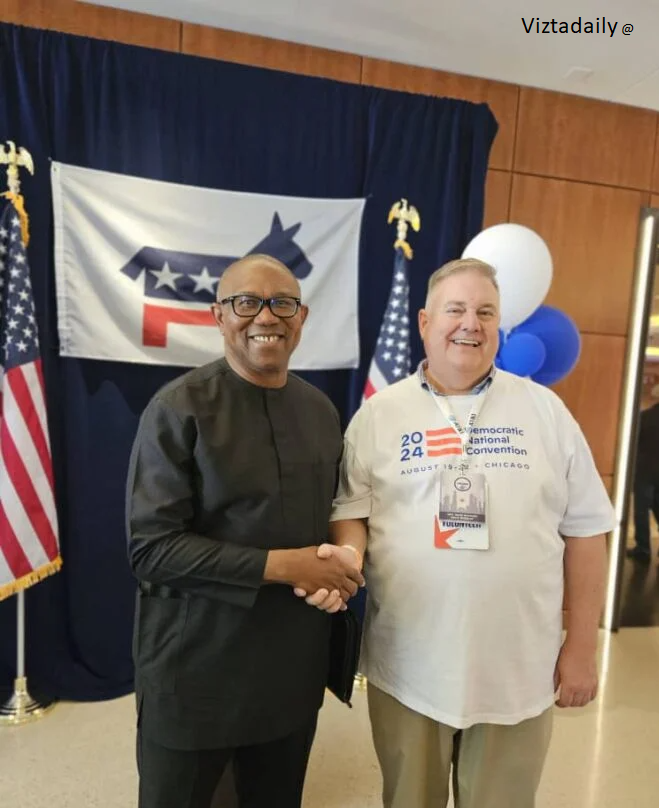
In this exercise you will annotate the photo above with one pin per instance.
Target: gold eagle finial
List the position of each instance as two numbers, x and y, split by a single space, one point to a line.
14 159
405 216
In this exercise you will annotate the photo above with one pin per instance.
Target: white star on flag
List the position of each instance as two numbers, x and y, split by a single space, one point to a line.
165 276
204 281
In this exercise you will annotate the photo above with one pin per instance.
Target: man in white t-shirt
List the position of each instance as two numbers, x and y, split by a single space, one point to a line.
474 498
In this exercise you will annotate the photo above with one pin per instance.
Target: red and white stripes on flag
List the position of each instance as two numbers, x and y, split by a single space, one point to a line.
29 547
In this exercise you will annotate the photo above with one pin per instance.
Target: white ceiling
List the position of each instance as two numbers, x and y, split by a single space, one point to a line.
475 37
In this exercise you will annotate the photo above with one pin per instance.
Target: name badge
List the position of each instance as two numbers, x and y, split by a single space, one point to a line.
463 510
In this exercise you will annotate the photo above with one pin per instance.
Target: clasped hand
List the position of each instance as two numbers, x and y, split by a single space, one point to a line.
337 578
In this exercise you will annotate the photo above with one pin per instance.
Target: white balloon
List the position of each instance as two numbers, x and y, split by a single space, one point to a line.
523 264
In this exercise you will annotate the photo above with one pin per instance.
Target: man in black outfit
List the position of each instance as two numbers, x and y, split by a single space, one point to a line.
230 488
646 483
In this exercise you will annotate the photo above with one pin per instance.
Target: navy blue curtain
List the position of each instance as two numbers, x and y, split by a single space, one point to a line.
206 123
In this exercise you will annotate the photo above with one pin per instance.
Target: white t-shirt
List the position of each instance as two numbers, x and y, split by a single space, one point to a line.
468 636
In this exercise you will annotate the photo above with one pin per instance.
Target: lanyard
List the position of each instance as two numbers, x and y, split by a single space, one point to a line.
463 432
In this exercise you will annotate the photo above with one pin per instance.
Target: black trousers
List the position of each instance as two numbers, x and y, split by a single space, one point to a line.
269 775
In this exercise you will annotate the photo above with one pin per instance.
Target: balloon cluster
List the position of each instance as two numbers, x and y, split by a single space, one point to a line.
535 340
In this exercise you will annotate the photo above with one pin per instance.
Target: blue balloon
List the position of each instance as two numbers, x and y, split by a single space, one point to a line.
561 339
522 354
497 358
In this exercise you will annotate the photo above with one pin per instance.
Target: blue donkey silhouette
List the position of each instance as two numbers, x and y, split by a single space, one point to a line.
183 266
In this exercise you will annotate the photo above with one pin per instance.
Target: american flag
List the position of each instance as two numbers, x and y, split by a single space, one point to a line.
392 358
28 523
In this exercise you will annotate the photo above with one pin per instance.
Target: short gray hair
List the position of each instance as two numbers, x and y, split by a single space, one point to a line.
458 266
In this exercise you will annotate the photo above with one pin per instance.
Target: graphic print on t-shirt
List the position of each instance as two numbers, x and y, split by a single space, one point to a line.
486 442
429 443
442 451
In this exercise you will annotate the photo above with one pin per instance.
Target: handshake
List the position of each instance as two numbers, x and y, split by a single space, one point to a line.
326 576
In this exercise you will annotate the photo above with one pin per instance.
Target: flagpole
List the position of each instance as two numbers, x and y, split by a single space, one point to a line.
21 708
405 216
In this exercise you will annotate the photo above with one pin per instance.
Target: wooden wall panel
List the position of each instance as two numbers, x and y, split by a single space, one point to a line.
654 200
278 55
592 393
502 98
582 139
497 197
94 21
591 233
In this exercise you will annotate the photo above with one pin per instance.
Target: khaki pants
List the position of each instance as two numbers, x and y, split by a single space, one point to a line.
494 766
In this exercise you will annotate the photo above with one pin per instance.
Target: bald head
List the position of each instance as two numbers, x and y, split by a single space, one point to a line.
258 342
237 276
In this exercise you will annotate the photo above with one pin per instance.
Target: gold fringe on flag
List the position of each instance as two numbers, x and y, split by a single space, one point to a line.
12 588
19 204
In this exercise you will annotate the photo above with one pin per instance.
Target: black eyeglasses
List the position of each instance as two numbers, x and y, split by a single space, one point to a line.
251 305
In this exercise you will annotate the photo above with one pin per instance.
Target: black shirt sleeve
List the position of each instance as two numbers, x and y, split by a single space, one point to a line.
163 546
